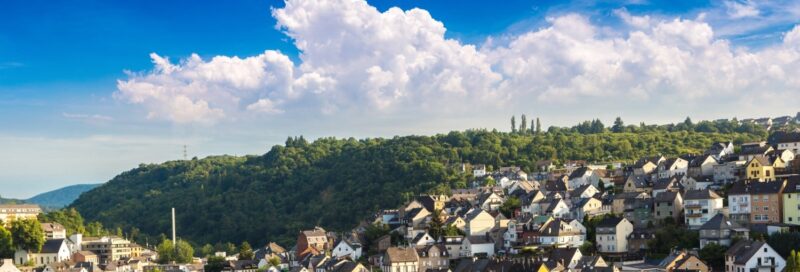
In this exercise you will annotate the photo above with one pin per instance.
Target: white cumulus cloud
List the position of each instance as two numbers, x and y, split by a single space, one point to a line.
357 59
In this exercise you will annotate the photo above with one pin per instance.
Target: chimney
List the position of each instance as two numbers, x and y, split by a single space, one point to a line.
173 228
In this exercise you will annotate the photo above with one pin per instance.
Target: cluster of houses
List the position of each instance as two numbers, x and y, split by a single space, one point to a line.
73 253
534 221
724 193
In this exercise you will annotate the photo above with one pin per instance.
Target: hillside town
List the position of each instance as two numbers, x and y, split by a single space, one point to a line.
658 213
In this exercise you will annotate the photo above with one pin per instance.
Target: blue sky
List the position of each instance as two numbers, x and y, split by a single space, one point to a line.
82 98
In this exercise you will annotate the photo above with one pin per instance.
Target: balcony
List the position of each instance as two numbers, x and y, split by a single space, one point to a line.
694 215
693 206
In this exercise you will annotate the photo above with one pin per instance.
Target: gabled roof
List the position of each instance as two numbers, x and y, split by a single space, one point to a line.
472 214
316 232
720 222
667 196
556 228
653 159
755 150
784 137
745 187
761 159
579 191
700 194
744 250
555 186
552 205
610 222
641 181
413 213
672 161
580 172
792 185
52 246
563 255
427 202
699 160
398 254
667 183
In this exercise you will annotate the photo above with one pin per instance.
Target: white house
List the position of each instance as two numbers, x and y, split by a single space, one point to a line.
398 259
583 191
53 251
786 141
344 248
479 222
582 176
720 150
556 207
612 235
672 167
491 201
480 245
421 240
562 233
700 206
747 255
511 236
739 203
479 170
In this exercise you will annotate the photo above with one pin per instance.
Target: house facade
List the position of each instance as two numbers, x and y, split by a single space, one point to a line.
700 206
747 255
612 234
791 202
765 201
721 230
398 259
668 205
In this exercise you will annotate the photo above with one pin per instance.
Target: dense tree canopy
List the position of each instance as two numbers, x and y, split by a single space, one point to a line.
337 182
182 252
6 243
27 234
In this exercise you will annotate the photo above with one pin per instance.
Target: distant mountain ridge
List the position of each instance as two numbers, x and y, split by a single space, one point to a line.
60 197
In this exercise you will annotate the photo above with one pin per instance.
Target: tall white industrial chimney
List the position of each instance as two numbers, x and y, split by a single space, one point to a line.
173 228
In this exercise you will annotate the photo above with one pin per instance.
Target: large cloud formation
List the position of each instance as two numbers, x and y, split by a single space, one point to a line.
355 58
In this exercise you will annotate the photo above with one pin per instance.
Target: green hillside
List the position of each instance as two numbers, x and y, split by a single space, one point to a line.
337 182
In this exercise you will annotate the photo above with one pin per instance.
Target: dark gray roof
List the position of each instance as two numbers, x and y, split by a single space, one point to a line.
580 172
792 185
756 188
52 246
698 161
427 201
720 222
700 194
667 196
563 255
413 213
579 191
783 137
744 250
641 181
609 222
555 186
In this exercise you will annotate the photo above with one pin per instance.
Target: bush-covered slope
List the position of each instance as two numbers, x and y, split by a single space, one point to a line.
336 182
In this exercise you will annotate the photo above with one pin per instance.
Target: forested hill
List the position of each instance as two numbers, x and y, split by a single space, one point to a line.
337 182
